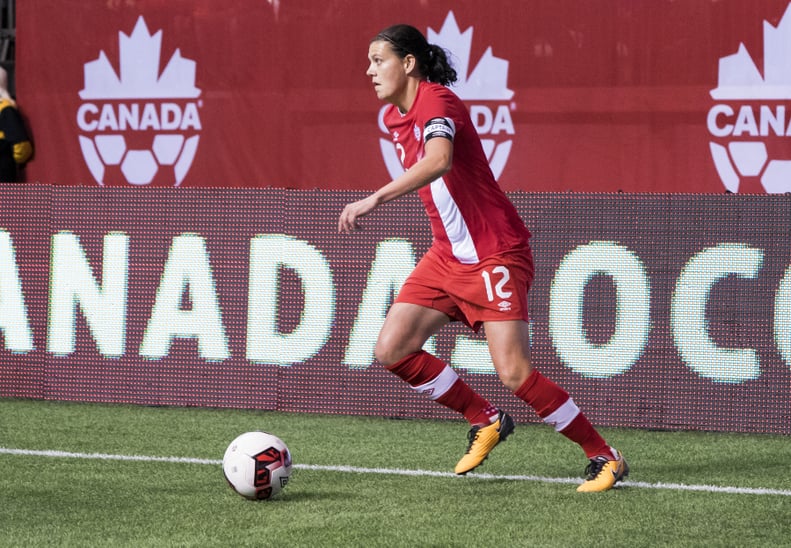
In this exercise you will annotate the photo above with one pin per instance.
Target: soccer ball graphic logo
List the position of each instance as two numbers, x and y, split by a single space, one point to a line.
139 127
483 88
749 124
257 465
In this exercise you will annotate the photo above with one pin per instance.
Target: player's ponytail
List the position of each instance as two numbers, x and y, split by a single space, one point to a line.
438 68
432 60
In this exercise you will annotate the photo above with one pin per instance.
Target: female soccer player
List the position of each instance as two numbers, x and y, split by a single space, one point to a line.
479 268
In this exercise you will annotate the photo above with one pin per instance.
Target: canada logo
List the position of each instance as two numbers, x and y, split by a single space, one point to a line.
485 91
139 127
750 123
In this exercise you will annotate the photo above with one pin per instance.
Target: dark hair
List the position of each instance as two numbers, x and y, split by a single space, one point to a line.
432 60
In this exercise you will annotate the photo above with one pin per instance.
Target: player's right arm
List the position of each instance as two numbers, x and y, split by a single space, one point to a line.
437 161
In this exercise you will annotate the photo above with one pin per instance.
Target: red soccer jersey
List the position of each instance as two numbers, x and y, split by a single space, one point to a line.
471 217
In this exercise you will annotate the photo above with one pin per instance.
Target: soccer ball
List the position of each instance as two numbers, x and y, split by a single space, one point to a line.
257 465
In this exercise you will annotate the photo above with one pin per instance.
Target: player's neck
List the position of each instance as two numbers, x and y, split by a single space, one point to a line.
407 99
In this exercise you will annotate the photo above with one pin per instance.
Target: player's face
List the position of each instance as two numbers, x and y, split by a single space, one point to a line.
387 71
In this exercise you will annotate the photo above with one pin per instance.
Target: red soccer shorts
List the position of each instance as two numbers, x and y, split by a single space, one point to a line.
494 289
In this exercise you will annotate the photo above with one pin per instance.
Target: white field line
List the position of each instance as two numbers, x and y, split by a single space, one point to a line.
403 472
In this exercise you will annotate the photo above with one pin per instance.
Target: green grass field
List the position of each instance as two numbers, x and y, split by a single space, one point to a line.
372 482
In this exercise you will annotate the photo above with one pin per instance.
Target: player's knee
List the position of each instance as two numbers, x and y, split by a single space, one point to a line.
385 354
514 375
389 352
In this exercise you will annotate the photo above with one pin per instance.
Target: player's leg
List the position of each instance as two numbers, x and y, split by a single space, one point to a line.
509 347
405 330
399 348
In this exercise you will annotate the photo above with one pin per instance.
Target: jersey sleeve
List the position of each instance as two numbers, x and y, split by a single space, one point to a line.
440 115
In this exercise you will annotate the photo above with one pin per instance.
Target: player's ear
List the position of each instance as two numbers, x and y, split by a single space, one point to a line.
410 64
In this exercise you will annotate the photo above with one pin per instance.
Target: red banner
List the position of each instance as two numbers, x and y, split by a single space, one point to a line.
654 311
614 95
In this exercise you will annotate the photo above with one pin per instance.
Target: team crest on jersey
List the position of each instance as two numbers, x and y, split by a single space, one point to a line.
416 130
484 89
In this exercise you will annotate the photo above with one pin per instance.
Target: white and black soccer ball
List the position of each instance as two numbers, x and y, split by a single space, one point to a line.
257 465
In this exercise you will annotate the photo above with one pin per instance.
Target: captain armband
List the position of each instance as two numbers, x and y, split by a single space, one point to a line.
439 127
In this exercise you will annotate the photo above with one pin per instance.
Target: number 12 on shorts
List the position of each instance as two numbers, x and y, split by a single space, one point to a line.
500 277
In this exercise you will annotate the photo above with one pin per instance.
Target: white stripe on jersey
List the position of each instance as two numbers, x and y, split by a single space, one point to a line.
455 226
561 417
439 385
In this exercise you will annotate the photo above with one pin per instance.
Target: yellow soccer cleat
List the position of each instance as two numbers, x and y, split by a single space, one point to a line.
603 472
482 441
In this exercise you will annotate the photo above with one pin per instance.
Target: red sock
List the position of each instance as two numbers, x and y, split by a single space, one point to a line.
466 401
556 408
431 376
582 432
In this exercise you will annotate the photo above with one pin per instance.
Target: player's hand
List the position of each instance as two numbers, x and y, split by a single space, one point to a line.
348 221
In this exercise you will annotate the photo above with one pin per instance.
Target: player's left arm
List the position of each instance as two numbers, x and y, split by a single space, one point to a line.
437 160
